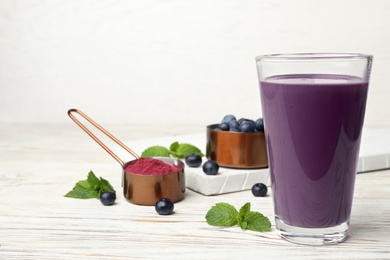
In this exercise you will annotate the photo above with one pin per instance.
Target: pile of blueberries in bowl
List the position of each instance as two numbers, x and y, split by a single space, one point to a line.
243 125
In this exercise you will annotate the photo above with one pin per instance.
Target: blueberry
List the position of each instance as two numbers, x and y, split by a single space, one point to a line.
107 198
164 206
233 124
193 160
210 167
242 120
224 126
259 125
228 118
259 190
247 127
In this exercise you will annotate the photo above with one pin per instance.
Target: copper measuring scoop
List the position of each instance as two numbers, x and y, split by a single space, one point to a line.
138 188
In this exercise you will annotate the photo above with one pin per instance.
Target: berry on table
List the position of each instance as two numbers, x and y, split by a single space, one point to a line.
107 198
193 160
210 167
164 206
259 190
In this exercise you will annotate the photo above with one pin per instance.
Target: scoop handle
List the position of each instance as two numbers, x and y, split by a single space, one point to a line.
73 110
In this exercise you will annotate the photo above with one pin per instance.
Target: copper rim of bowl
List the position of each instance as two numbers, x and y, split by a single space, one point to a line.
236 149
148 189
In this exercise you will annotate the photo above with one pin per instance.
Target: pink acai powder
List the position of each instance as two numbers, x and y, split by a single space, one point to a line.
150 166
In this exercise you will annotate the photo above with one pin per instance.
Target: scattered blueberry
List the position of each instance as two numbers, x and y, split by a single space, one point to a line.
164 206
224 126
259 190
259 125
193 160
107 198
228 118
210 167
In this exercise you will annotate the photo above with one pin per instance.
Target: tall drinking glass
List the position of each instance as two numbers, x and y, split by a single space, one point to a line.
313 107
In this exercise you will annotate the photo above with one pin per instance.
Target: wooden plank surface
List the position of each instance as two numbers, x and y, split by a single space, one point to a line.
39 164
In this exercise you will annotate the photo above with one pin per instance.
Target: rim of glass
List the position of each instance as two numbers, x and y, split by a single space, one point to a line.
312 56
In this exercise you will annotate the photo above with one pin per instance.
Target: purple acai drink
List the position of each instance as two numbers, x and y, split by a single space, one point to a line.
313 127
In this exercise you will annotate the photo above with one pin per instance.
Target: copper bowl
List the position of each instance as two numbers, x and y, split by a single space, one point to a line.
236 149
148 189
137 188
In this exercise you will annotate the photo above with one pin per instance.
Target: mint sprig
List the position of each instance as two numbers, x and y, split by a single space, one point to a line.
156 151
176 149
222 215
90 188
225 215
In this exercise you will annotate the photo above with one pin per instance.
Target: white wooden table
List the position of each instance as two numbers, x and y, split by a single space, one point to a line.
39 164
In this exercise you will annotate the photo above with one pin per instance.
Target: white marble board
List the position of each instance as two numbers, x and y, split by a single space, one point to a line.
374 155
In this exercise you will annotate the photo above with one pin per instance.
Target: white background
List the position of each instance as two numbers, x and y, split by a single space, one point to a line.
174 62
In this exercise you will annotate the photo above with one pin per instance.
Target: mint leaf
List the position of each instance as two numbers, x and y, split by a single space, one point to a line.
222 215
90 188
93 181
83 184
245 209
255 221
80 192
183 149
174 146
175 149
105 186
242 222
225 215
156 151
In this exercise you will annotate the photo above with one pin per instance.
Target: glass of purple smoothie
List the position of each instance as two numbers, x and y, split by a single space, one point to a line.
313 108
